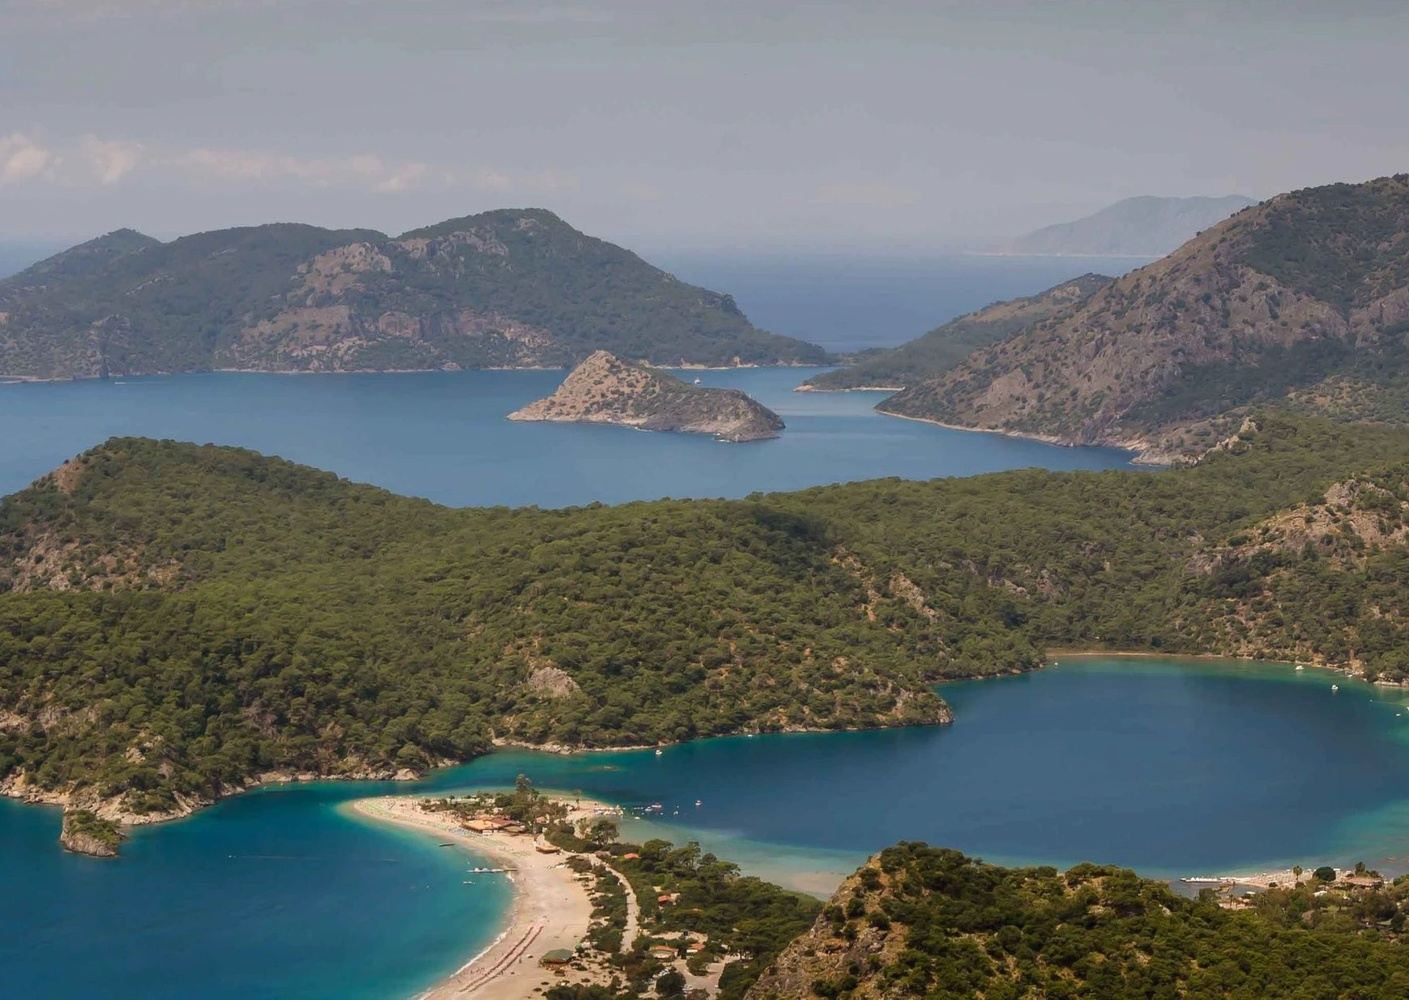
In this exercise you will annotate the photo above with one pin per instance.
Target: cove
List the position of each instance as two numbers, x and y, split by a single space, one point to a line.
1173 767
443 436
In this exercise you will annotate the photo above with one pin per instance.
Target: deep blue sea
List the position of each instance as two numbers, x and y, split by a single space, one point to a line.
850 303
443 435
1171 767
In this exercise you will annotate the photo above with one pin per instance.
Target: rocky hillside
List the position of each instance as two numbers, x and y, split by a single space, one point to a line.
509 288
1303 298
945 346
1137 227
920 921
606 390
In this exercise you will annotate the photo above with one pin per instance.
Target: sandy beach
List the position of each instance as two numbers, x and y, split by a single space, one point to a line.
551 908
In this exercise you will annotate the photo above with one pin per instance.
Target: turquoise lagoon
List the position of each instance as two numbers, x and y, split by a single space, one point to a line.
1173 767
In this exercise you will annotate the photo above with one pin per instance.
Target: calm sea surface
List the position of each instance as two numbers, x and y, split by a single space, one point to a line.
444 436
847 303
1171 767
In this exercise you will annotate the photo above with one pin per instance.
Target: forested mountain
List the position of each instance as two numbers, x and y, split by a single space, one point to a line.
508 288
177 620
919 921
1303 299
945 346
1146 226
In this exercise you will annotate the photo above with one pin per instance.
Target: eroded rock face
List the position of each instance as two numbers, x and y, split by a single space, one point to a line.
605 389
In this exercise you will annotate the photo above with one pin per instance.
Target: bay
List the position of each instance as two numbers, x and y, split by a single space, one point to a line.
1170 766
444 436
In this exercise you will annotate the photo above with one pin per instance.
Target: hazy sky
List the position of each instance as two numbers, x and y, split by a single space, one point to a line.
677 126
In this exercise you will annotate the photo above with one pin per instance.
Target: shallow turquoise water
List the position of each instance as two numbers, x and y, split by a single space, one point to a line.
444 436
268 895
1172 767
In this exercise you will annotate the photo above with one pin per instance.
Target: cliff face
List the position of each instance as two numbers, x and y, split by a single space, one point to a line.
605 389
509 288
1303 298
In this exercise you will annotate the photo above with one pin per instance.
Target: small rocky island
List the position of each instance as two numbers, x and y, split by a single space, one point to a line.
605 389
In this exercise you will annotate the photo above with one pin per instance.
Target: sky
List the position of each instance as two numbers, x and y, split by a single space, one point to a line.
680 126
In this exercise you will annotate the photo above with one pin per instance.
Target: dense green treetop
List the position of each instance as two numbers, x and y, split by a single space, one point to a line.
921 921
176 619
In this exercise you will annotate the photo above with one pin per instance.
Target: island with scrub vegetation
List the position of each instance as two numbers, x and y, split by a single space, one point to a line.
606 390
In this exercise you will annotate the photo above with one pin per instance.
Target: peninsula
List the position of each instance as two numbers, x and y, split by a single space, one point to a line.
591 915
606 390
177 622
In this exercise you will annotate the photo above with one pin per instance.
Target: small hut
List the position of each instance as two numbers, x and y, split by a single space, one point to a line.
556 958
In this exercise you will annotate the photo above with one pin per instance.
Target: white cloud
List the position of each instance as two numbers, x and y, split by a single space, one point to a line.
21 158
107 161
362 170
110 160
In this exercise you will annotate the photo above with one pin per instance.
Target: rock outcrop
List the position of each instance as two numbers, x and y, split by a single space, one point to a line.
607 390
84 832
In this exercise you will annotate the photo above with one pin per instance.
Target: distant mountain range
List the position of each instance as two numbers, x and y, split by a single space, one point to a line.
512 288
1136 227
1301 300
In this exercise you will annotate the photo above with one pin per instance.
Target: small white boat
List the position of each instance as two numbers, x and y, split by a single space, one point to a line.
697 381
698 803
1335 688
1300 667
659 753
